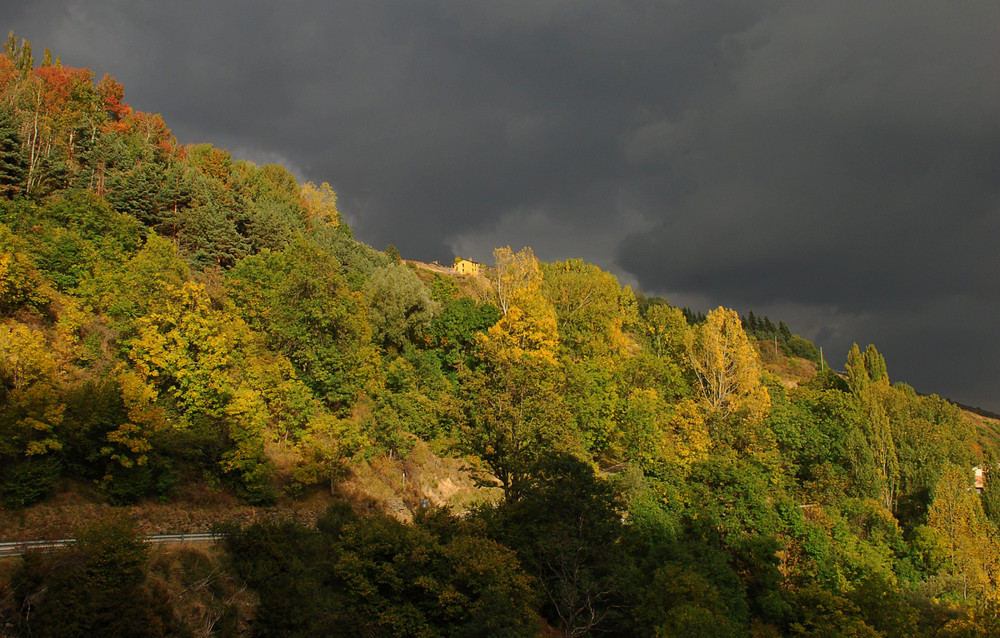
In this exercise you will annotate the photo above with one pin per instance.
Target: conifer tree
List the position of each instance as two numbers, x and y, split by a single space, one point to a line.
12 164
769 328
783 332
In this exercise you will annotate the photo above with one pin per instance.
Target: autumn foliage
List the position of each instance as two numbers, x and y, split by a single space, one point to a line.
172 316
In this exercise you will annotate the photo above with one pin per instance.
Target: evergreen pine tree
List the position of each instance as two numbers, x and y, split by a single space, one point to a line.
768 328
784 334
12 164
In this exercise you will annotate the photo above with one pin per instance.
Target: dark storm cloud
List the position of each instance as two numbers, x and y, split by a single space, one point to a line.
850 168
434 120
833 164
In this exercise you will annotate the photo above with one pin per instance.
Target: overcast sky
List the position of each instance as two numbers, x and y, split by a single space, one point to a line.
834 164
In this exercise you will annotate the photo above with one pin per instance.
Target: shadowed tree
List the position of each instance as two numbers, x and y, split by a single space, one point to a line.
97 587
565 525
512 412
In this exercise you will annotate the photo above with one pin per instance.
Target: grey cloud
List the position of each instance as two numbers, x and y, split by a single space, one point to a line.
850 164
835 162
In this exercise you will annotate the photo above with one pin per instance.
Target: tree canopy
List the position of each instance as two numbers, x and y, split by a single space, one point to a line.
175 320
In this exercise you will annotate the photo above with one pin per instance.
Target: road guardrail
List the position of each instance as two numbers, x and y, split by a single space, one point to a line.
18 548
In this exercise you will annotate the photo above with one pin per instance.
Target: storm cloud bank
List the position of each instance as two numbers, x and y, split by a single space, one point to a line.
831 164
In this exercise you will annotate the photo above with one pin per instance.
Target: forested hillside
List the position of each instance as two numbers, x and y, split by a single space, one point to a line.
171 316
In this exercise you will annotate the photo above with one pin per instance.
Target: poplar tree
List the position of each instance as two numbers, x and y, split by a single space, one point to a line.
869 382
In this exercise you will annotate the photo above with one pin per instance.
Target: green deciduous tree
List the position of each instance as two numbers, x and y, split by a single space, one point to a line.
821 434
678 601
300 300
21 283
592 309
399 306
125 291
512 412
452 333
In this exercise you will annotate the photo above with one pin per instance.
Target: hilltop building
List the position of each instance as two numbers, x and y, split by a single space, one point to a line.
466 266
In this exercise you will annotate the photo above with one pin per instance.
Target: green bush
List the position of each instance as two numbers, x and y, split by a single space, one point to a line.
28 481
796 346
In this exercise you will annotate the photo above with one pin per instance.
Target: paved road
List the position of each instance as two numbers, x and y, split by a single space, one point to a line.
18 548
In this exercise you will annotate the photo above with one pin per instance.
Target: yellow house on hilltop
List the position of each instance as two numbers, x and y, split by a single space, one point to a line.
466 266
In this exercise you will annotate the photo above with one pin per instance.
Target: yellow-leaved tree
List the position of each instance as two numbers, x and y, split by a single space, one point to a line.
516 278
30 413
727 367
660 434
512 401
967 536
528 325
213 368
666 328
320 203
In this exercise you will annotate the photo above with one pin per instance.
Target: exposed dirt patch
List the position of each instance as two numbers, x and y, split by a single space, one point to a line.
399 486
195 509
396 486
792 371
204 596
